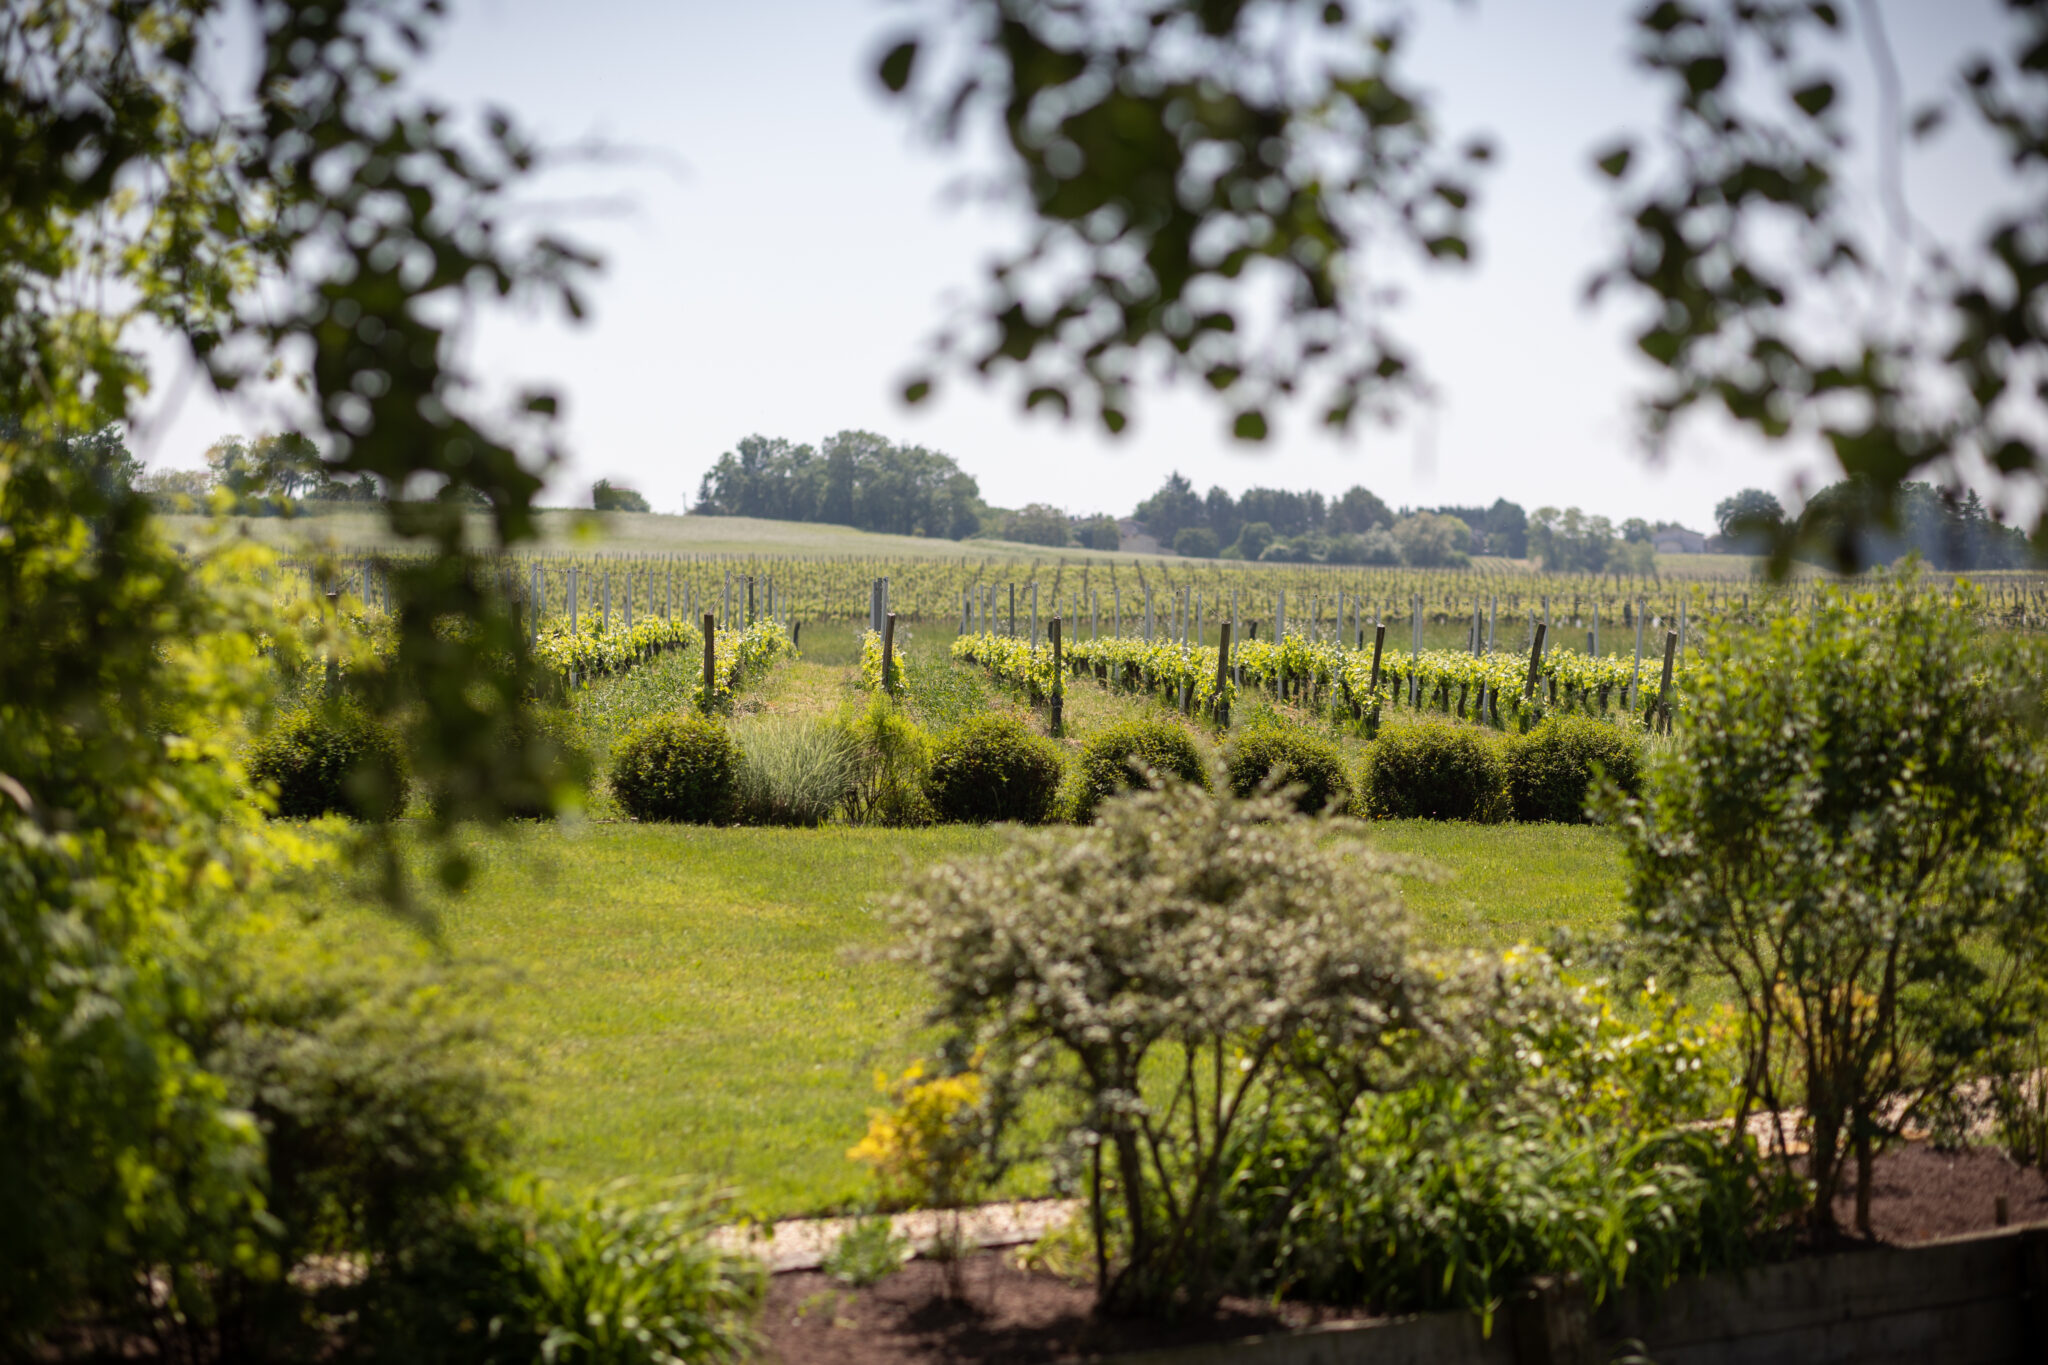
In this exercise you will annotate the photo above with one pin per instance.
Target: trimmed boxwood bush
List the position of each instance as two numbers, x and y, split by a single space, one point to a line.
676 768
332 758
1550 770
1433 771
1296 757
1106 761
993 768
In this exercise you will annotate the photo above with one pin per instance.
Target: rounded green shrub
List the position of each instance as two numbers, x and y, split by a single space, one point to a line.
1433 771
1550 770
676 768
1296 758
993 768
1107 759
331 758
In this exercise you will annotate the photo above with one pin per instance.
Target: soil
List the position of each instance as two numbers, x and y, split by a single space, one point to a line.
1010 1316
1006 1316
1919 1193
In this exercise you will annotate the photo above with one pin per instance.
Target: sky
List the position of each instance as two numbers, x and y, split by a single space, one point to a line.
780 244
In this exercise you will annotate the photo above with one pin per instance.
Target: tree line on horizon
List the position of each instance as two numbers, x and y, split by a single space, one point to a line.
866 481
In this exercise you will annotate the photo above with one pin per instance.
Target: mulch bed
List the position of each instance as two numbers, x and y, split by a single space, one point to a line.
1010 1316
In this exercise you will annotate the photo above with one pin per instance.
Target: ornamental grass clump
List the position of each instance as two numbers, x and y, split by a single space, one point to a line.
1157 977
792 771
1131 755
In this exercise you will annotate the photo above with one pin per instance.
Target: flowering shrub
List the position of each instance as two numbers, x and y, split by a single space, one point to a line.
1155 975
926 1148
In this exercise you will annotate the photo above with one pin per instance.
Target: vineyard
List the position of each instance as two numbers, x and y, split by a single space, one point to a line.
1481 610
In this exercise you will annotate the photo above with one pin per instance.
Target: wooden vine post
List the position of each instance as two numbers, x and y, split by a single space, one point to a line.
1379 643
1223 675
1535 658
1059 691
1664 688
710 662
888 651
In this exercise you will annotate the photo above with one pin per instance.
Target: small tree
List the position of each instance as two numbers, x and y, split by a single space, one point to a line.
1196 542
607 498
1164 972
1850 836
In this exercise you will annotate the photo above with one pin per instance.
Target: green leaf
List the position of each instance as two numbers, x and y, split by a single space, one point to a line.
896 65
1249 426
917 390
1614 164
1815 98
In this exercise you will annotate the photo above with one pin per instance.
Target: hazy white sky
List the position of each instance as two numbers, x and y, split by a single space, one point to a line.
788 245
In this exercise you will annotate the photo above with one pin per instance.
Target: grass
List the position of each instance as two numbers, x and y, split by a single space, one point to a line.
716 1001
638 533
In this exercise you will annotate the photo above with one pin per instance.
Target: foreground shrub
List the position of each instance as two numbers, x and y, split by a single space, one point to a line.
1292 758
1433 771
331 758
1551 770
1110 757
1156 976
1850 836
610 1280
382 1119
676 768
891 756
993 768
1560 1137
792 771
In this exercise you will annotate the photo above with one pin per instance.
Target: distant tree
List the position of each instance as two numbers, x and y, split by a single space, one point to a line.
1356 511
1289 514
1429 541
1636 531
1570 541
1751 515
1098 533
1175 506
607 498
1507 529
1252 539
103 457
858 479
1037 523
764 477
1220 514
1196 542
1851 525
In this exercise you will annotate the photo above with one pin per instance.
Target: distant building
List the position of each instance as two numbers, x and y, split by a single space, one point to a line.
1678 541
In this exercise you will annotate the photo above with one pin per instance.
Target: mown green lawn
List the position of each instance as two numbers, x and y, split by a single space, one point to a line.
715 1001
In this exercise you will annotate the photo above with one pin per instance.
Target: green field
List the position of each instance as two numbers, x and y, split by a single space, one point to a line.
634 533
714 1001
